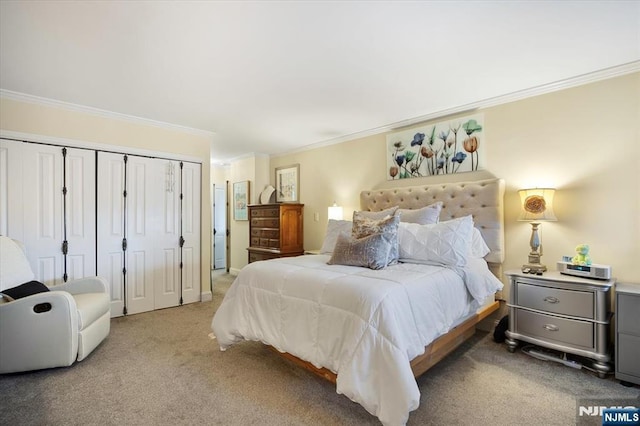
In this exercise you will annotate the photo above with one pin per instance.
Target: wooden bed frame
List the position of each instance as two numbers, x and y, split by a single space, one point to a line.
433 353
481 199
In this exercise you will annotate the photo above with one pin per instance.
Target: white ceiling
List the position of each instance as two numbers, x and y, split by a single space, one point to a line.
271 77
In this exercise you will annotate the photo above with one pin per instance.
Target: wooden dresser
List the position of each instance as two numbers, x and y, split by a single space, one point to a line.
275 230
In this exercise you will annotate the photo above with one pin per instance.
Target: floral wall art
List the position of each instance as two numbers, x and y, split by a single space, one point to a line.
448 147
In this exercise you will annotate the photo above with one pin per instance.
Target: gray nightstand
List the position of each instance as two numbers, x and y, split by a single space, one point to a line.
628 333
561 312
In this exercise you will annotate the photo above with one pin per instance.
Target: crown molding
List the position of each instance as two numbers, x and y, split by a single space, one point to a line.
37 100
580 80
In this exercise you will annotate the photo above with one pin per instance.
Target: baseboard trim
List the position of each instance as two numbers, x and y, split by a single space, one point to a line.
206 296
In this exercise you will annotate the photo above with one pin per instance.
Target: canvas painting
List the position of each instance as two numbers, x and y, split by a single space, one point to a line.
448 147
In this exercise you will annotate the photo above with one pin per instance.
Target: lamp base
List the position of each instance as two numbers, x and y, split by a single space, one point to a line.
534 268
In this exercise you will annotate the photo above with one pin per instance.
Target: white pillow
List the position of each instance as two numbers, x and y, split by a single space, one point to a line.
423 216
15 267
334 228
445 243
479 247
479 280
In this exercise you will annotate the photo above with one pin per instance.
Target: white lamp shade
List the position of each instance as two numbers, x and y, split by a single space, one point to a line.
335 212
537 204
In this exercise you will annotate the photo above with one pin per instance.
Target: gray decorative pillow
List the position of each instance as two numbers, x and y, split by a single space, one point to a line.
375 215
363 226
423 216
371 251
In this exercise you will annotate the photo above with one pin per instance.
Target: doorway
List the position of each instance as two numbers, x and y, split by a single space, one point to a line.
219 228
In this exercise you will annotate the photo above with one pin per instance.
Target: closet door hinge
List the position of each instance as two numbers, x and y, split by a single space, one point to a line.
64 190
124 244
181 241
65 247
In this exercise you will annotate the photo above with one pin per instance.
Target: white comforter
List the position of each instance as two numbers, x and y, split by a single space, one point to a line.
362 324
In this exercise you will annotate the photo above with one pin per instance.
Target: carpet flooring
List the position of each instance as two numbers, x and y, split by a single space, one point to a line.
163 368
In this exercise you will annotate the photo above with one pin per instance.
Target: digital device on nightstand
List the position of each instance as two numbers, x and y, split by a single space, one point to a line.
600 272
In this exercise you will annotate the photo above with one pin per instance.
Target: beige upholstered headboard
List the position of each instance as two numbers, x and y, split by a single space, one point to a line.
483 199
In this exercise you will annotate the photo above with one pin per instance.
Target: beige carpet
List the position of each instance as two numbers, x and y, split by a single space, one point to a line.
161 368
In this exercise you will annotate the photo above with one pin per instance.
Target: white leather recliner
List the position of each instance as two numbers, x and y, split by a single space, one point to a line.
53 328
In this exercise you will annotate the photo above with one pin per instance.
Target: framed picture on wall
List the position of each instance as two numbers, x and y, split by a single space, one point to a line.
288 184
241 200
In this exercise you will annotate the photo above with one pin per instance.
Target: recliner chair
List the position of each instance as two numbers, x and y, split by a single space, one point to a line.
52 328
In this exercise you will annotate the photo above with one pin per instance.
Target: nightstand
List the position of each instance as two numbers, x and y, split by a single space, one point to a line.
561 312
628 333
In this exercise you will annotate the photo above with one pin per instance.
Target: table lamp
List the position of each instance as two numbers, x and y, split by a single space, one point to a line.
537 206
335 212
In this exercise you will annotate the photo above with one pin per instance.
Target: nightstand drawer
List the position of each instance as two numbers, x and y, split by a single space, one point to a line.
551 328
566 302
629 314
628 359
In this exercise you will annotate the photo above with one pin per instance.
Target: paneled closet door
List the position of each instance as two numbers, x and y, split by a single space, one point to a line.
163 198
111 222
144 182
191 287
32 207
11 189
148 219
79 209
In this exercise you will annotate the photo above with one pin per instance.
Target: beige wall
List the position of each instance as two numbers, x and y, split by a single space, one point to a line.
584 141
48 121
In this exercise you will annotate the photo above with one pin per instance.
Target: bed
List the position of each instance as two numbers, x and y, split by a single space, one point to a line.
372 331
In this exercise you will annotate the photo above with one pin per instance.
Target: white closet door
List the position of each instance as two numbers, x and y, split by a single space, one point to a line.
110 219
142 194
81 213
166 205
11 189
34 209
191 286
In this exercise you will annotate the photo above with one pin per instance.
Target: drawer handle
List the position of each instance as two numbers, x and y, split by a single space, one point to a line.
551 299
551 327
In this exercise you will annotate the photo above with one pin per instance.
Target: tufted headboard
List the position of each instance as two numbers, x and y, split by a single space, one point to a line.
483 199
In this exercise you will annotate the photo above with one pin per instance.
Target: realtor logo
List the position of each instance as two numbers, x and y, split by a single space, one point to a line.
621 416
607 412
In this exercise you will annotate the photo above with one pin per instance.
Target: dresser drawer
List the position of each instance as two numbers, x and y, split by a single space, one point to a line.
265 233
566 302
556 329
265 212
265 222
254 257
265 242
